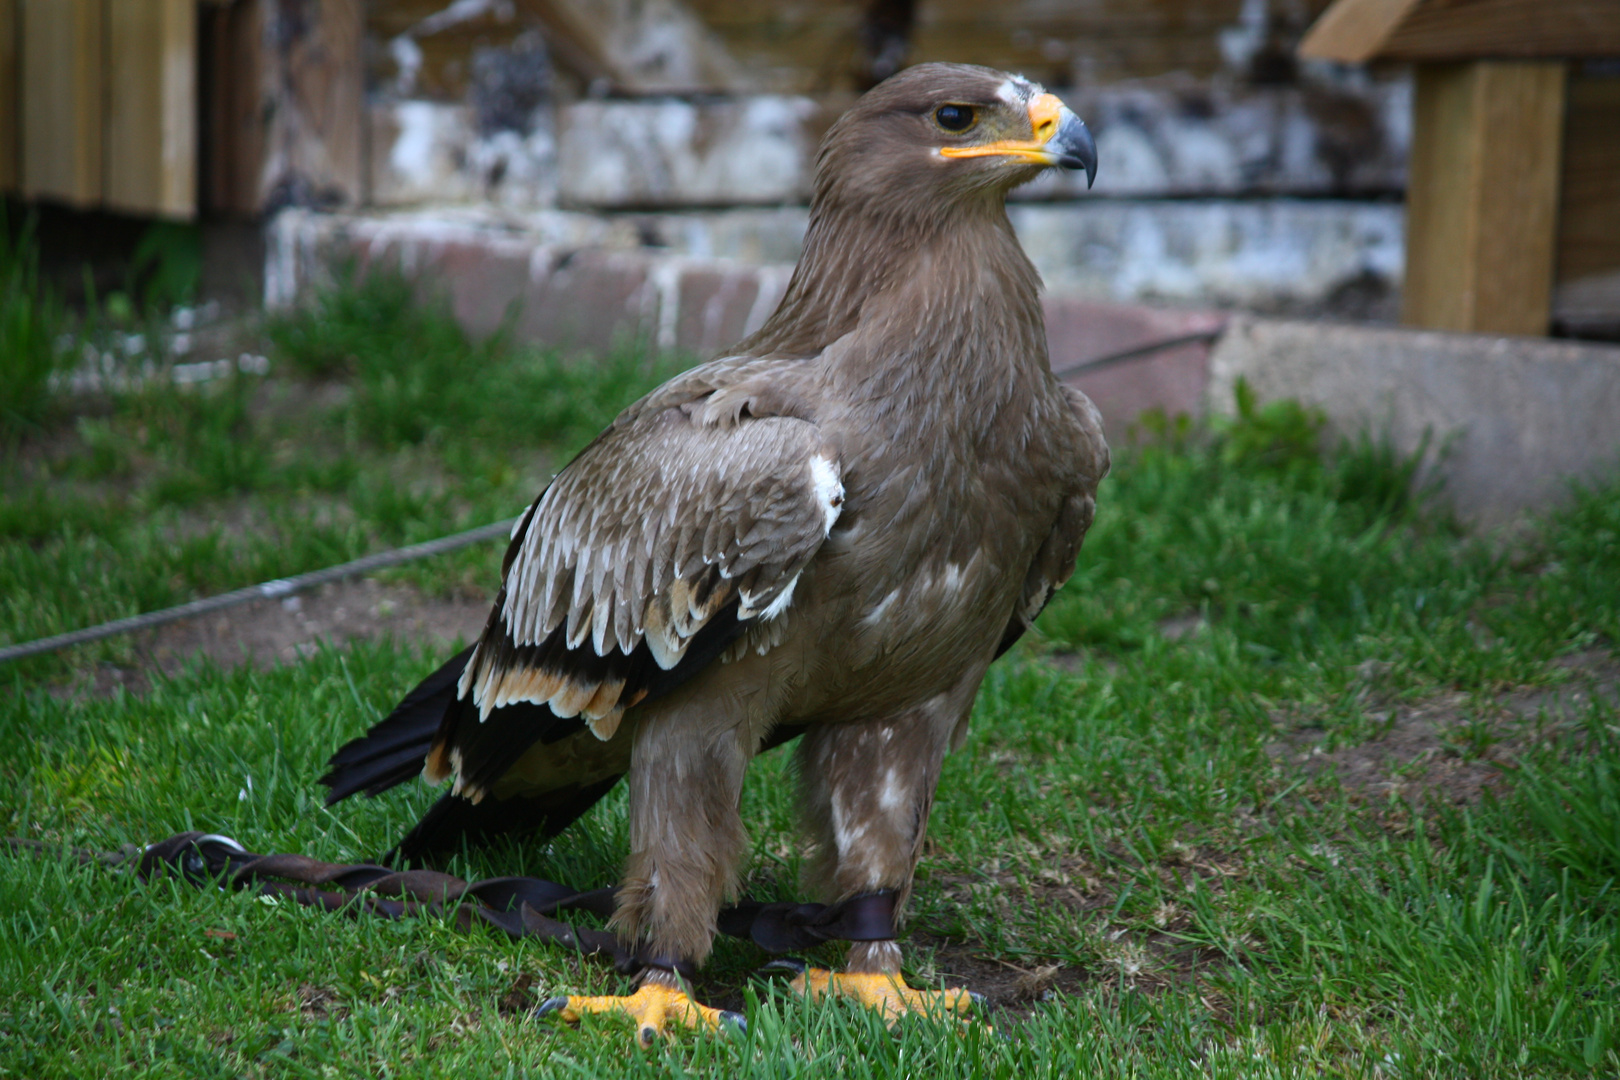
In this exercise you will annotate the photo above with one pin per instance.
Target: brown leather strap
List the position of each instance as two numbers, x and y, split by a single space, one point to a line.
523 907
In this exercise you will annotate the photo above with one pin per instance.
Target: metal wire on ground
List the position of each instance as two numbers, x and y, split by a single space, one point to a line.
270 590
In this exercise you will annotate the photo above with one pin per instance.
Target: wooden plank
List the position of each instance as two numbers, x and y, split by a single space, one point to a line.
1589 205
9 104
809 47
62 100
1433 30
642 47
1566 29
151 128
1353 31
315 143
236 106
1482 199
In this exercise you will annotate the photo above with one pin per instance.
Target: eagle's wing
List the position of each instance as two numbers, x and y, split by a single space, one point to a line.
1054 562
689 518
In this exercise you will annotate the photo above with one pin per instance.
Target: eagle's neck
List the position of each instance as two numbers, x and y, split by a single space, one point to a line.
944 348
961 259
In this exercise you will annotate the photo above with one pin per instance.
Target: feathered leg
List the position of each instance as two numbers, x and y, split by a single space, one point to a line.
868 788
686 839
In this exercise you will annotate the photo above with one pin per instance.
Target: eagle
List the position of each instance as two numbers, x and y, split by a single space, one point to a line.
826 534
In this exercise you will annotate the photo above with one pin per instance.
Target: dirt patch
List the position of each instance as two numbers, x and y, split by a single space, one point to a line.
1146 954
1452 747
265 633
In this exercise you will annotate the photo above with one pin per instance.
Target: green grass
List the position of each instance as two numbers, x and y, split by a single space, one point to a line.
140 501
31 319
1118 812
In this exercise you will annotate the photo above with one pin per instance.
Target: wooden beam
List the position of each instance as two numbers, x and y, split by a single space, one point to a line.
1589 206
62 100
1356 31
235 102
1528 29
315 117
610 39
1482 199
151 128
10 104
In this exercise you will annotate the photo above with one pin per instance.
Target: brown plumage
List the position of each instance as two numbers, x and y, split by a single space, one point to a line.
833 530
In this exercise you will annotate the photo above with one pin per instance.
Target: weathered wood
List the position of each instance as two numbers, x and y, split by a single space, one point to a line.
1353 33
1589 205
811 47
62 100
151 119
315 153
235 100
1356 31
1508 28
9 103
1482 199
284 110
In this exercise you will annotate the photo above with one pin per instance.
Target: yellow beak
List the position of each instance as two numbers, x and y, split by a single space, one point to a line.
1061 139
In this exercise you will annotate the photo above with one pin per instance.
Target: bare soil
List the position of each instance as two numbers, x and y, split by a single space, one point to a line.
1453 746
266 633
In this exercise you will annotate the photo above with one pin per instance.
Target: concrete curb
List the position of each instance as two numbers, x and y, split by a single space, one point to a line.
1520 418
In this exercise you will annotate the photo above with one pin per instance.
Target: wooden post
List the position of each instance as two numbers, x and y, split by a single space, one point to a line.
1589 213
1482 197
316 127
62 109
151 129
9 87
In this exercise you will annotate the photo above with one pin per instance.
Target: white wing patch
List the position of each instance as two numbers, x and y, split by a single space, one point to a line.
829 489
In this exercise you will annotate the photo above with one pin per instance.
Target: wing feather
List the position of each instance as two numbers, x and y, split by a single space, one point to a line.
675 525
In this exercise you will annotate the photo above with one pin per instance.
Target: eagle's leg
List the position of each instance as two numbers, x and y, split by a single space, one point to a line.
686 839
868 788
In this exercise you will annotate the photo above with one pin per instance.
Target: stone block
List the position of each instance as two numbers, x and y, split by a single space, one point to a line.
1519 418
1273 254
714 307
657 153
591 299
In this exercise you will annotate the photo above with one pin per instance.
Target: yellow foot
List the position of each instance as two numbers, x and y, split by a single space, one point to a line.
887 993
652 1007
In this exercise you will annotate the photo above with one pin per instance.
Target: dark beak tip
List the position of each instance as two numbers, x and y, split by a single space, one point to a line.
1079 149
1071 162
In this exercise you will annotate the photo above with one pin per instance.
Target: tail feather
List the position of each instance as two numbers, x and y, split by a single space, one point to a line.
393 750
453 819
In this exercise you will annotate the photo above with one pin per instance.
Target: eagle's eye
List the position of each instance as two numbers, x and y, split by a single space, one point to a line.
954 117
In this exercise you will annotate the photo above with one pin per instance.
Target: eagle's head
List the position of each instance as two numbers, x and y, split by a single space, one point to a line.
950 130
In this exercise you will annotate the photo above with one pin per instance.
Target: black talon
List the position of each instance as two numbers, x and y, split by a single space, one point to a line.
648 1034
735 1019
787 963
980 1002
551 1005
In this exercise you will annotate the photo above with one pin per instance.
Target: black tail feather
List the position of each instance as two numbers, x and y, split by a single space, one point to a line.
393 750
452 818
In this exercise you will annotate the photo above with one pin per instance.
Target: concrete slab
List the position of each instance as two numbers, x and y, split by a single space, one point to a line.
1520 417
1172 380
